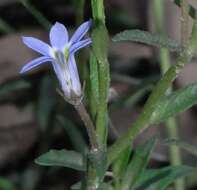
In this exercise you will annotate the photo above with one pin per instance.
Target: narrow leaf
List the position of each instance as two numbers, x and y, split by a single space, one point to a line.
191 149
162 178
148 38
76 186
120 165
103 186
64 158
138 164
6 184
46 103
178 101
12 86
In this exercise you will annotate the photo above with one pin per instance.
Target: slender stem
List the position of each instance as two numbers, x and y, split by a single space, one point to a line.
100 52
160 89
144 118
98 10
94 86
88 124
184 22
175 155
171 126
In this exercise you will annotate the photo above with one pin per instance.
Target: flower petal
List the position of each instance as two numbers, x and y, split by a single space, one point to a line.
62 77
58 36
76 85
35 63
81 31
37 45
75 47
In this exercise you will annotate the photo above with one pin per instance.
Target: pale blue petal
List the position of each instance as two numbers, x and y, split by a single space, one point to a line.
37 45
61 77
81 31
35 63
58 36
76 85
75 47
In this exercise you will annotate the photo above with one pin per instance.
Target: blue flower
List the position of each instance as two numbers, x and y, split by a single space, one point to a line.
61 55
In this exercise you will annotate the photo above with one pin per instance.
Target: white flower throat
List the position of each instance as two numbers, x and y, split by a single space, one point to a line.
62 60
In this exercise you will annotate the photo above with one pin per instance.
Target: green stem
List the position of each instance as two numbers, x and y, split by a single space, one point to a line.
94 86
144 118
172 128
100 52
89 125
98 10
37 14
97 160
175 155
184 22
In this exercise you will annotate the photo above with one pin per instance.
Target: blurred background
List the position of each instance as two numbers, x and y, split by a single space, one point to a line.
34 118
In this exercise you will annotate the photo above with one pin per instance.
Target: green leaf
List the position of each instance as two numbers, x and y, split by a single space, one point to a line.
191 149
76 186
46 103
64 158
162 178
121 163
192 10
136 96
178 101
12 86
6 184
103 186
148 38
138 164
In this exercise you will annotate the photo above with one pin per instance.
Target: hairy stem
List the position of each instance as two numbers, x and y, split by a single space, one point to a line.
184 22
144 118
160 89
100 53
88 124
